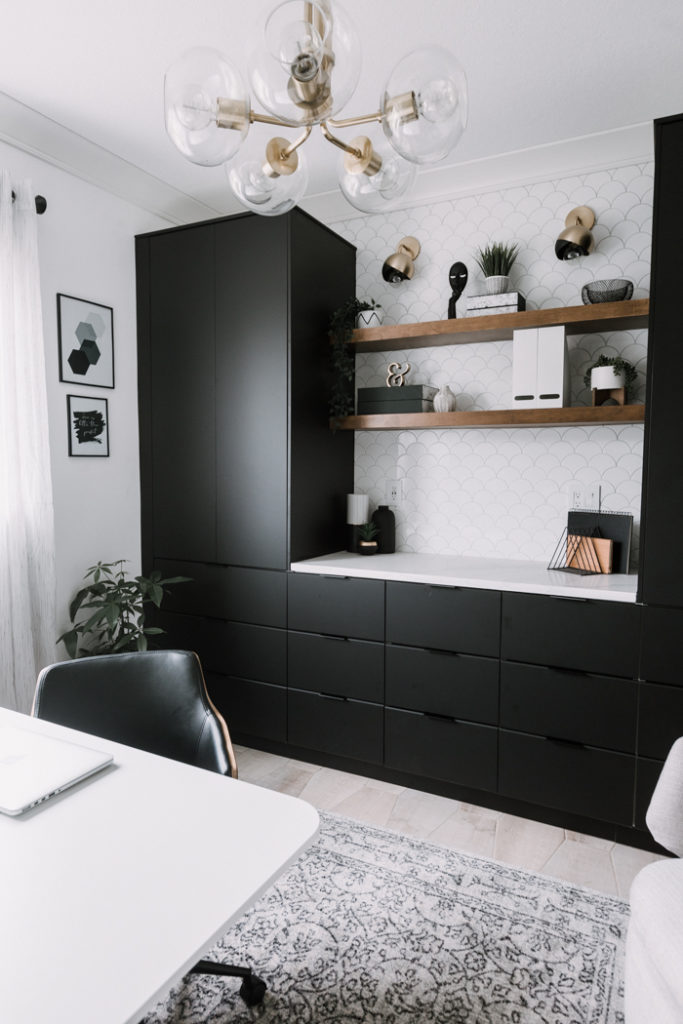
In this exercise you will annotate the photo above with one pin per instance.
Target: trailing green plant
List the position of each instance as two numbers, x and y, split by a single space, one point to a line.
368 531
116 605
342 358
620 366
496 259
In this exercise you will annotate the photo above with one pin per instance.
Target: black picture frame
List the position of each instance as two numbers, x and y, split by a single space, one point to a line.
88 426
85 333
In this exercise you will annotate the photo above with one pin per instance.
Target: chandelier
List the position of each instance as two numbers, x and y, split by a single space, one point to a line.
303 72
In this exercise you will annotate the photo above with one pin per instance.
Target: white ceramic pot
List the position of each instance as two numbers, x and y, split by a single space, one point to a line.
369 318
497 285
604 377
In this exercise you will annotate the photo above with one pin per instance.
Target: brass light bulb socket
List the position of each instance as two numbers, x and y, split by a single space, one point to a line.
278 161
363 159
401 108
232 114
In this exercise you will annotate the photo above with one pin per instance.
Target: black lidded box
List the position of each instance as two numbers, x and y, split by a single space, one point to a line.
408 398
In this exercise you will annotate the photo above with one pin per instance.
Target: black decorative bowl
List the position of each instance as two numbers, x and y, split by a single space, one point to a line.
615 290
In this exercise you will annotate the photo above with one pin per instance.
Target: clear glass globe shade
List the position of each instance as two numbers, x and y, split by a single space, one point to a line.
375 193
316 81
424 105
192 87
263 194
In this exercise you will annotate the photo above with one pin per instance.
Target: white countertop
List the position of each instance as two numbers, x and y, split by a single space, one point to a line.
483 573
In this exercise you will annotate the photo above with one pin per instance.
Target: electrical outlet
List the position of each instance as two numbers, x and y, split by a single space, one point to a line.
393 493
584 496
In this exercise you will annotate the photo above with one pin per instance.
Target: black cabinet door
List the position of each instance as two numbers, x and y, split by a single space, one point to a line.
177 405
440 748
336 665
335 725
661 536
660 659
441 683
252 428
337 605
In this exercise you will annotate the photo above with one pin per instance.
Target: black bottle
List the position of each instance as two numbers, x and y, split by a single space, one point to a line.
384 520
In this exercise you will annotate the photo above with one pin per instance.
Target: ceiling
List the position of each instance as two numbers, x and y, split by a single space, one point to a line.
539 71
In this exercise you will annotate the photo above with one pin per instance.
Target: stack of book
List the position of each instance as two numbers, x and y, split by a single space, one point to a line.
408 398
487 305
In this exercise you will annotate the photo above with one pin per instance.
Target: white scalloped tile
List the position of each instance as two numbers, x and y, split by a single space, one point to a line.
503 492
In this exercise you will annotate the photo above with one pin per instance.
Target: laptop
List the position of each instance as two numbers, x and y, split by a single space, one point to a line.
34 767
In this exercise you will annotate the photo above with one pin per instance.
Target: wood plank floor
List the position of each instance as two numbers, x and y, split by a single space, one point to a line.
583 860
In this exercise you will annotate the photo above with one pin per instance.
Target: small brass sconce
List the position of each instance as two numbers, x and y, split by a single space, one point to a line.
576 239
399 266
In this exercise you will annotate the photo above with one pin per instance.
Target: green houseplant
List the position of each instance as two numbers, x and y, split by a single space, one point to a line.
623 373
116 607
367 542
495 262
342 358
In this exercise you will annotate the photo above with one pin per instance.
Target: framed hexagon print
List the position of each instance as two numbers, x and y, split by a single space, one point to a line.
86 342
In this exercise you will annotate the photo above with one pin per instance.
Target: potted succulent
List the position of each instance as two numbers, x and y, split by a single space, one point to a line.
610 372
367 543
495 261
115 620
343 362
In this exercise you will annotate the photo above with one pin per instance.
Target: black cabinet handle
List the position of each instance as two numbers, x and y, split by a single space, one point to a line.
560 741
332 696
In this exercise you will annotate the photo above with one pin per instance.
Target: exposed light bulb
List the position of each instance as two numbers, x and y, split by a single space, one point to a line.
256 186
262 190
437 100
194 110
299 50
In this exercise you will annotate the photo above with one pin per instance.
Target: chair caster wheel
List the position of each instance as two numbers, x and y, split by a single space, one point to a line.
253 990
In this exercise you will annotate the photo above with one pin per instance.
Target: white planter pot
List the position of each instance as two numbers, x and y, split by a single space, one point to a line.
444 400
369 318
604 377
497 285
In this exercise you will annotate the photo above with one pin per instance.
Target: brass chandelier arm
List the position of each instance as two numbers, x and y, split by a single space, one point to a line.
293 146
351 122
357 153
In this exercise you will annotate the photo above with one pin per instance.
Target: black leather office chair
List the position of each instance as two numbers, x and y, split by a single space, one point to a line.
155 701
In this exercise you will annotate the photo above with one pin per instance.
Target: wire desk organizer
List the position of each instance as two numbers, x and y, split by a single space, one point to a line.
585 550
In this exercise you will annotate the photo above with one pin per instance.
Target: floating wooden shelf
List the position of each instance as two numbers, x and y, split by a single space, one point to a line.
604 316
574 416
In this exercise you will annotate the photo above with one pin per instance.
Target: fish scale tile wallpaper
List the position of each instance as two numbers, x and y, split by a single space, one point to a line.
503 492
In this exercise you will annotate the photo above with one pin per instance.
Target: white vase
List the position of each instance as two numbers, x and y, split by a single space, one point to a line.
444 400
369 317
497 285
604 377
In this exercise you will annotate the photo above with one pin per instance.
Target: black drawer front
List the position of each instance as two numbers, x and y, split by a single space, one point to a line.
447 618
338 605
597 710
440 683
250 708
579 780
647 776
661 719
661 657
230 648
348 728
592 636
228 592
439 748
338 666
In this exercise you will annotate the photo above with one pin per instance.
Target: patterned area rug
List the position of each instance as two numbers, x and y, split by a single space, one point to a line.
371 927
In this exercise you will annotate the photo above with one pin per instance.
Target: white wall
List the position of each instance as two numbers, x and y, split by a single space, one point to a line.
503 492
86 247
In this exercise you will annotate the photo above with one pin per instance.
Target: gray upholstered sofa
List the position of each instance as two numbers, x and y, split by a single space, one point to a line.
654 946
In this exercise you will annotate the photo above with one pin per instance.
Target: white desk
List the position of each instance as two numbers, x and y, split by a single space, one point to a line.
111 891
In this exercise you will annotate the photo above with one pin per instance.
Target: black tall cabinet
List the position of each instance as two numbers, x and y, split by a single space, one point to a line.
661 580
240 473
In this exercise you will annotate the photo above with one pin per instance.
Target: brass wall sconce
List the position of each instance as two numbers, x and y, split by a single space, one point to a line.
576 239
400 266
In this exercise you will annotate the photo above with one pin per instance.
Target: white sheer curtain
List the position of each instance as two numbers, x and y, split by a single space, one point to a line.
27 557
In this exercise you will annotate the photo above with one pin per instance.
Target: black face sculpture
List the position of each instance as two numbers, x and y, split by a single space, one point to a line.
457 277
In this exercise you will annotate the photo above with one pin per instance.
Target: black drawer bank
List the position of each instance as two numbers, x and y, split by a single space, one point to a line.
379 679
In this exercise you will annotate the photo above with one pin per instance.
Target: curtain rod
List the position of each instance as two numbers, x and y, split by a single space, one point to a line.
40 201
